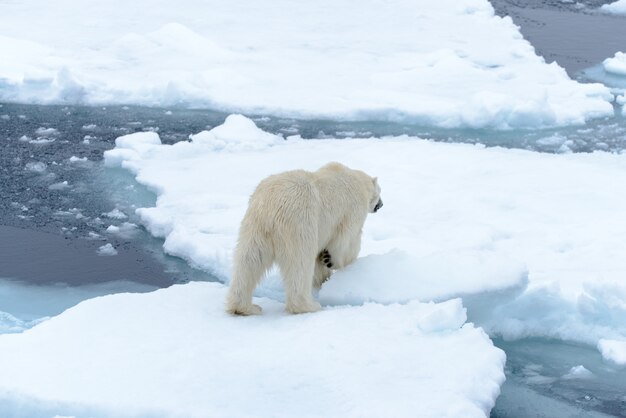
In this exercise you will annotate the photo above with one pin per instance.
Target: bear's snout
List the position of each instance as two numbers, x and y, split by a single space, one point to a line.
378 205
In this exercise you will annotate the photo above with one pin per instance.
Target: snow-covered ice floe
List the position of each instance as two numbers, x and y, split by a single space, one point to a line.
519 243
531 242
175 352
616 65
393 61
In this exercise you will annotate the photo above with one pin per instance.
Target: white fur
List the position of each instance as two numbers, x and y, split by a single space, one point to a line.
291 218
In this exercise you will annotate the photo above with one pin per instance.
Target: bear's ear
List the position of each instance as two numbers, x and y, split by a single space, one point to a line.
375 180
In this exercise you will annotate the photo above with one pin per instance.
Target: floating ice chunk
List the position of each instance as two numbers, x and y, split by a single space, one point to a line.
107 250
532 375
613 350
93 235
616 65
42 141
45 132
618 7
89 127
578 372
125 230
59 186
115 214
129 147
19 206
75 159
36 167
237 133
312 362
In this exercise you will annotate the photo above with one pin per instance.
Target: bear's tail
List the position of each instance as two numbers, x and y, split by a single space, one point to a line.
253 257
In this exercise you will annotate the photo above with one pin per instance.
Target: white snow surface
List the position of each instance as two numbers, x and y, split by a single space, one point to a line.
621 100
175 352
531 242
618 7
447 63
616 64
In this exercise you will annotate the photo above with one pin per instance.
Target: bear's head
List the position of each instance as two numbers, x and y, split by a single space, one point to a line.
375 202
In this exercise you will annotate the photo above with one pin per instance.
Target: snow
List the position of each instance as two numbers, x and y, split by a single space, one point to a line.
367 361
389 61
621 100
618 7
531 242
616 65
433 277
237 133
614 350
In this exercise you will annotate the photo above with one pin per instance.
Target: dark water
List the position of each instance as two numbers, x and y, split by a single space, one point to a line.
539 382
53 211
574 34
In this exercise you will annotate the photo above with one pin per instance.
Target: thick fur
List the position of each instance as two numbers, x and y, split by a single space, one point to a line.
298 220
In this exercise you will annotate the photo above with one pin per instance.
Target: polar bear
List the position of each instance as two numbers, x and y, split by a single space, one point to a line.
299 220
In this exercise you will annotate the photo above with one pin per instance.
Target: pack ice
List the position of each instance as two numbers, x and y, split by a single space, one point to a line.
392 61
531 242
519 243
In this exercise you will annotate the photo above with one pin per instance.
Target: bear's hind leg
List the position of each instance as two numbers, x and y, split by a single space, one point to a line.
250 264
298 278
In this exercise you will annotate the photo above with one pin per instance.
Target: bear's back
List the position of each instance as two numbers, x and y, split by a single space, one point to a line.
283 199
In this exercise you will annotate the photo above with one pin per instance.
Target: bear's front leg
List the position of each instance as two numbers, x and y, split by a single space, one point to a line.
323 269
